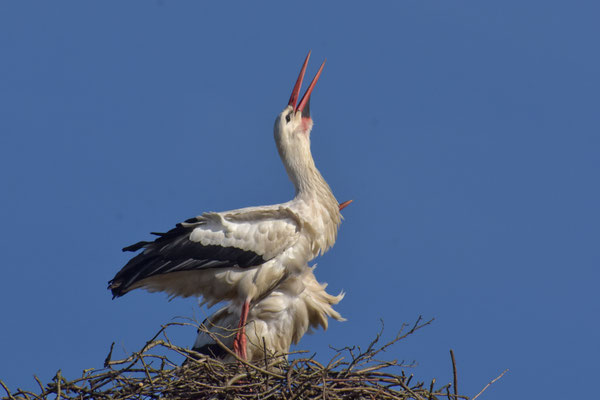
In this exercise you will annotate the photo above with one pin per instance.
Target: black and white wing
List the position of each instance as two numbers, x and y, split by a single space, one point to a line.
237 239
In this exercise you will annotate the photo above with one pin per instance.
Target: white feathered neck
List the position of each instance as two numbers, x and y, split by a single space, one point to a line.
314 199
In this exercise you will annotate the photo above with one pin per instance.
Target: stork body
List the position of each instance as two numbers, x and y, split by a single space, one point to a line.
231 255
282 317
243 254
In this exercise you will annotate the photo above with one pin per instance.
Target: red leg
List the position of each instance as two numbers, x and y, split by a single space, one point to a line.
239 344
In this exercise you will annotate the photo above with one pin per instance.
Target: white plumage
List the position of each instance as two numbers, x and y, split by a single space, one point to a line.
282 317
241 255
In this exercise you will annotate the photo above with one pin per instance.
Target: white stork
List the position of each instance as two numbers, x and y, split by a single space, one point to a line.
275 321
243 254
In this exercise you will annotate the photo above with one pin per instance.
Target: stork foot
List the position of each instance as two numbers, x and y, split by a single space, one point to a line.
239 344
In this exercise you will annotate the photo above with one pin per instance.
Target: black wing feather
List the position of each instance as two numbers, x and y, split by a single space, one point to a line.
137 246
173 251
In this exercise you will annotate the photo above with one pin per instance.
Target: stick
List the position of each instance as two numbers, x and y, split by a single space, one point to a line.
454 373
489 384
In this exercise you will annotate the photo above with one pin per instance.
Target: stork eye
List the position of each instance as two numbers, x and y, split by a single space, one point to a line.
288 117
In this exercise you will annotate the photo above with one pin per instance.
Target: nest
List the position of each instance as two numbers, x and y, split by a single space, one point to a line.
151 373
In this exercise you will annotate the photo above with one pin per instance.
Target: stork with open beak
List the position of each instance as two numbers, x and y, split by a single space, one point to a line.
243 254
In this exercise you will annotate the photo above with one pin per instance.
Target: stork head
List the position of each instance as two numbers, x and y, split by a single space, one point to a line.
293 125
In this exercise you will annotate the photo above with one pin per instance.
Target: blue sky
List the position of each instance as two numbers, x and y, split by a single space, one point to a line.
467 133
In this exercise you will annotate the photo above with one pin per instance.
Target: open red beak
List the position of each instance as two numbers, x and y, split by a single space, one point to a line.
304 107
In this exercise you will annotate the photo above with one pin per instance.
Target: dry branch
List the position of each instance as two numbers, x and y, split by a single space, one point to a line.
152 373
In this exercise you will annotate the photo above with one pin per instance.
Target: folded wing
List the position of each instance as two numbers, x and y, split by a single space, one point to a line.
239 239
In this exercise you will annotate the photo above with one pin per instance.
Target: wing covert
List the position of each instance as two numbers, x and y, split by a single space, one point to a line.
241 239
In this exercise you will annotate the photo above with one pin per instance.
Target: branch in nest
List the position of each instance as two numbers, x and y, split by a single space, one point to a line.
153 373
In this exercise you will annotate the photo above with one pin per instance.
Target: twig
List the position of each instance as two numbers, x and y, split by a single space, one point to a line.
431 389
489 384
58 391
39 382
109 356
454 373
6 389
416 396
